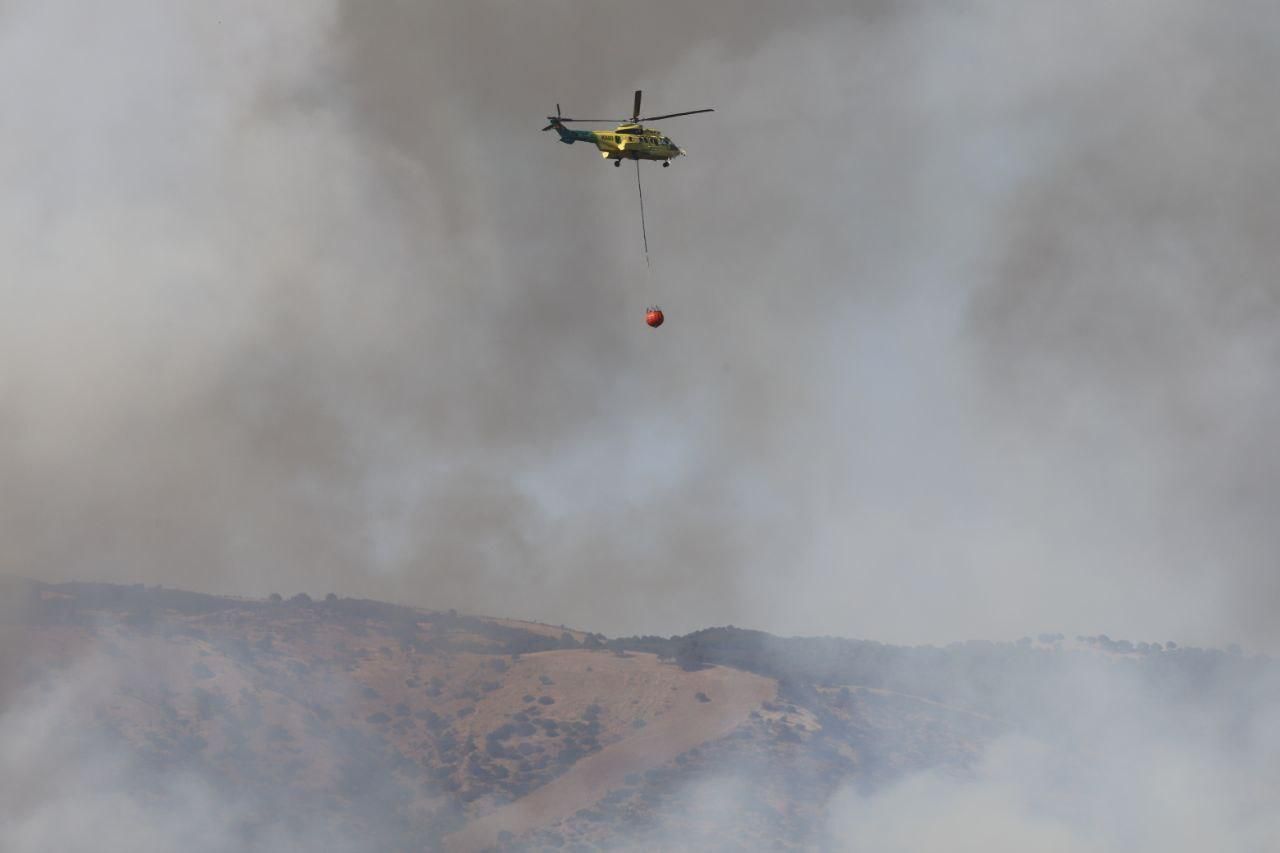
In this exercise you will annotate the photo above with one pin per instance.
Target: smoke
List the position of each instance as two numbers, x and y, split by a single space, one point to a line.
119 737
1113 762
970 333
1010 748
933 812
67 785
62 791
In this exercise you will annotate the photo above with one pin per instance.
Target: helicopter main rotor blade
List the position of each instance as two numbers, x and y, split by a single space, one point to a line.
606 120
635 110
673 115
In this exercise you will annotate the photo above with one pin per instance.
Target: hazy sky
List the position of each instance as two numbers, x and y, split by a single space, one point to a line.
972 311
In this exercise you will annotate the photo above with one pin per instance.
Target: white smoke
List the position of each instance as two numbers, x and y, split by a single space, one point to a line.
1112 763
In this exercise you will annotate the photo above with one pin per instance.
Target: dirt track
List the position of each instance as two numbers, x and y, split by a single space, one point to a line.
690 722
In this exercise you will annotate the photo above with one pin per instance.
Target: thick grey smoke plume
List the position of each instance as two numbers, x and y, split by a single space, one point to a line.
65 791
70 780
972 321
1117 762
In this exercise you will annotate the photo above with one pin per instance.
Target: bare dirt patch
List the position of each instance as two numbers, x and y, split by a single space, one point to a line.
675 721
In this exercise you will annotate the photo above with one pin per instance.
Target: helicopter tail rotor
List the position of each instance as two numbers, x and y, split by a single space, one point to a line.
553 120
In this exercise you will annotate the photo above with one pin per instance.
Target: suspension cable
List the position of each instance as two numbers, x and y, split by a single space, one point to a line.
643 230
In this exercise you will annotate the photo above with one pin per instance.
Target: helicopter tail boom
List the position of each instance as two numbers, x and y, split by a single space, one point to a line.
567 135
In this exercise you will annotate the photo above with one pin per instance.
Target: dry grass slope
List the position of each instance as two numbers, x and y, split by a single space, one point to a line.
683 719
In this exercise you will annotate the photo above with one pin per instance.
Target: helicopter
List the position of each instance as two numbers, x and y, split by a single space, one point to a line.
630 140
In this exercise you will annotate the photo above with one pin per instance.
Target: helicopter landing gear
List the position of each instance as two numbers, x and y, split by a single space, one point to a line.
666 163
617 163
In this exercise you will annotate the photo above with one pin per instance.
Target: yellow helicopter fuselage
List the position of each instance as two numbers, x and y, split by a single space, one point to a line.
625 142
632 142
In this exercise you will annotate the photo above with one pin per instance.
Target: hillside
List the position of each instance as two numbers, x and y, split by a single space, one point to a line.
355 724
